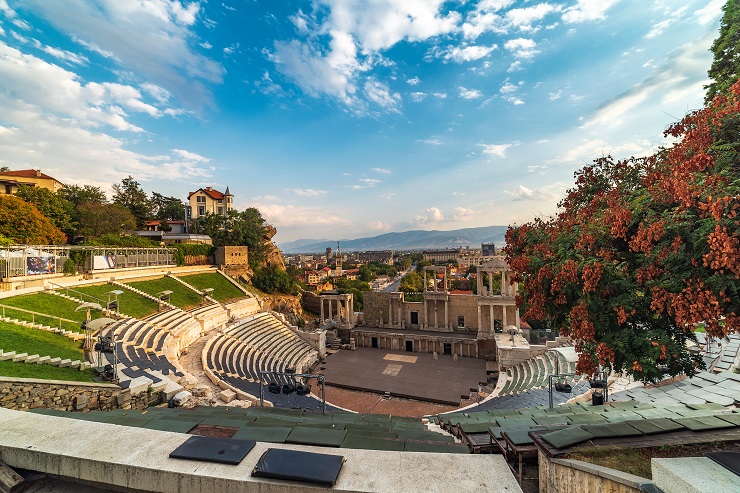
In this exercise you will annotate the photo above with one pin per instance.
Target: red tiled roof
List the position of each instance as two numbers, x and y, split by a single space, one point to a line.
214 194
27 173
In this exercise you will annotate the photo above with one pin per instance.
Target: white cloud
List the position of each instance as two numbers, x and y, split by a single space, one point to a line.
508 88
469 93
467 54
463 214
161 94
498 150
554 96
66 56
522 47
587 10
434 142
515 67
547 193
413 81
440 95
710 13
305 192
380 94
382 171
433 216
151 38
596 148
418 97
359 32
685 68
523 18
206 45
290 215
378 226
191 156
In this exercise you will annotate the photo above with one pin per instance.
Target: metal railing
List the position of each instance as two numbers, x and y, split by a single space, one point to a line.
40 318
78 294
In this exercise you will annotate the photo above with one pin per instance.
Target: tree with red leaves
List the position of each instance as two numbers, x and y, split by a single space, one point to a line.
642 251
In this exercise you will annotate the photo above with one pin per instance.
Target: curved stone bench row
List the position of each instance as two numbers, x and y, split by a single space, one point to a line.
35 359
534 373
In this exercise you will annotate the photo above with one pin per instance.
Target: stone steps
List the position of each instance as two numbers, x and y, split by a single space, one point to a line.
35 359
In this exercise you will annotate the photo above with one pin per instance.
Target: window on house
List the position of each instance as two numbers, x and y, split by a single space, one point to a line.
201 210
220 210
200 198
461 321
220 201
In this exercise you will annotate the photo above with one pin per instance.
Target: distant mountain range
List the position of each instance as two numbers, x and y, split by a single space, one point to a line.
408 240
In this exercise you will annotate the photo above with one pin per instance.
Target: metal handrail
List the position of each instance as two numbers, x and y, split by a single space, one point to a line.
34 314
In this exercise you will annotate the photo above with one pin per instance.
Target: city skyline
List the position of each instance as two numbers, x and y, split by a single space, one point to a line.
346 119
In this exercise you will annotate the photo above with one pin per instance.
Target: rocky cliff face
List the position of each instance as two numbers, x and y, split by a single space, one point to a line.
274 256
290 306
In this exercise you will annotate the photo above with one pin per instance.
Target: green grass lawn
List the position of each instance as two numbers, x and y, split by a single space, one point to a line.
45 372
48 304
131 304
34 341
223 290
181 296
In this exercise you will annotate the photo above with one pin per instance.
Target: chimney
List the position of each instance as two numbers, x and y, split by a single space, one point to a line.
38 173
209 188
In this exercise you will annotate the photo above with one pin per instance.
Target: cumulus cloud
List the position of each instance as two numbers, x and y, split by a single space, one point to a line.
463 214
382 171
522 47
156 44
469 93
498 150
191 156
418 97
547 193
413 81
587 10
359 31
378 226
280 215
460 54
433 215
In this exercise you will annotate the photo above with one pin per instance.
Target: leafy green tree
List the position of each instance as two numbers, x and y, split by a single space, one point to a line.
167 208
99 219
725 69
271 279
80 194
22 223
412 282
57 209
366 273
130 195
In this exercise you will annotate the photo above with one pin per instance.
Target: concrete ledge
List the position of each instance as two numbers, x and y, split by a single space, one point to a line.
620 477
693 475
62 447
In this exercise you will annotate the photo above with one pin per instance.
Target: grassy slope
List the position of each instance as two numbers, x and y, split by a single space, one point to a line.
47 304
130 303
44 372
181 296
223 290
34 341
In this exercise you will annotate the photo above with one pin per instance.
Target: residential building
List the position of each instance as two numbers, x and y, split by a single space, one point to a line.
209 201
11 180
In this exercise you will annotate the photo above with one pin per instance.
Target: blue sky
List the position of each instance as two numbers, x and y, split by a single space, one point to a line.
348 118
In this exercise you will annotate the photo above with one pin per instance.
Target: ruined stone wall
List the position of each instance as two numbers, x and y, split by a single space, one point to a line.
375 308
466 306
22 394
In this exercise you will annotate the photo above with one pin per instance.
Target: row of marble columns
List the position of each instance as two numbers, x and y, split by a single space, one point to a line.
339 305
425 323
421 345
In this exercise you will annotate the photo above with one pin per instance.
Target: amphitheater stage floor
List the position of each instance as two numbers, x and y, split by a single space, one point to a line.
409 375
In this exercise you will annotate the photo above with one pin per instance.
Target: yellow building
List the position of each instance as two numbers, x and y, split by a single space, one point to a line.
208 200
11 180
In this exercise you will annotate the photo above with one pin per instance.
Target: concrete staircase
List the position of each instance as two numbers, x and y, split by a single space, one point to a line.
141 293
75 336
191 287
43 360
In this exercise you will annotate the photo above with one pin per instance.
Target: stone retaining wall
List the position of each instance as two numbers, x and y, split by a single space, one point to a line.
22 394
574 476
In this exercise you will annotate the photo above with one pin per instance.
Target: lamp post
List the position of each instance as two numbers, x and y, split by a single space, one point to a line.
113 304
88 345
204 294
163 297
